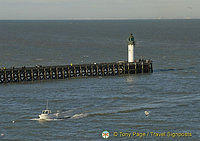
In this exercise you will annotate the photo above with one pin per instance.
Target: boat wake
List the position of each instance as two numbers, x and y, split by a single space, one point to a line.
63 117
77 116
38 119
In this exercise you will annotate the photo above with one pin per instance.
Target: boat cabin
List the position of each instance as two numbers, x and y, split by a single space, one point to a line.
46 112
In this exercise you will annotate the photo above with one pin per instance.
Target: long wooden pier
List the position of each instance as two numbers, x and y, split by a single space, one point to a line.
14 75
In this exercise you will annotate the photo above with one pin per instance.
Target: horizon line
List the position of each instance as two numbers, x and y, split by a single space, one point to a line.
187 18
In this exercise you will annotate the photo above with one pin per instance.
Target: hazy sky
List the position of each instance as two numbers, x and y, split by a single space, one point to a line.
64 9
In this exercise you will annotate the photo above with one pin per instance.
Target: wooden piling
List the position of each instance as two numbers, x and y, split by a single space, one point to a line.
135 68
12 75
142 67
151 67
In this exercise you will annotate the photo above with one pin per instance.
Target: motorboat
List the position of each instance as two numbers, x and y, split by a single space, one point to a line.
47 115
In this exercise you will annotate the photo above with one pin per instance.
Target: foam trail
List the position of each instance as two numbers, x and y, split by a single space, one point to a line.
77 116
46 119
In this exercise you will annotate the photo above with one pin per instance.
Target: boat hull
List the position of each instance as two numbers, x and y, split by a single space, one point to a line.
47 116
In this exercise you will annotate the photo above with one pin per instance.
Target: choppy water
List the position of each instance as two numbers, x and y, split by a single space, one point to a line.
116 104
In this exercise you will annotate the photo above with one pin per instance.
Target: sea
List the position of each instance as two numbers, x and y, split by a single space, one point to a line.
103 108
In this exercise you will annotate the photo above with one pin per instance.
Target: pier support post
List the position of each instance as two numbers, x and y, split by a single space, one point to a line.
142 67
135 67
151 67
32 78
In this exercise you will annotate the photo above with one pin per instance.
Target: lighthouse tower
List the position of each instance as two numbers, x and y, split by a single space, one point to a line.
131 44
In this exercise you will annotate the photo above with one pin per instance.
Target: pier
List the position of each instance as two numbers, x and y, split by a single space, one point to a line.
23 74
132 66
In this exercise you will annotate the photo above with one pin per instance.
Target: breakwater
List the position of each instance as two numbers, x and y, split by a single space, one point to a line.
15 75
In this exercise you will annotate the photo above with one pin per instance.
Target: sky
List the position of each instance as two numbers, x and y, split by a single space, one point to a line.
98 9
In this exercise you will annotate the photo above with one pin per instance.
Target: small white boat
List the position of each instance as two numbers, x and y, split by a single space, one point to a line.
47 115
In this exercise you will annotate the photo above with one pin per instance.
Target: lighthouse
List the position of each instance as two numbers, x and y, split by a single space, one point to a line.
131 44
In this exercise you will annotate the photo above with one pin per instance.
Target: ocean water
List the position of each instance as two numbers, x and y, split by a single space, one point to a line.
171 94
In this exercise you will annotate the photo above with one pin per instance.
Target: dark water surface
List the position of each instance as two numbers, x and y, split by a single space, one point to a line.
116 104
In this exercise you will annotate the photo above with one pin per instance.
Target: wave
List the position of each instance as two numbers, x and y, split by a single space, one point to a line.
120 111
77 116
173 69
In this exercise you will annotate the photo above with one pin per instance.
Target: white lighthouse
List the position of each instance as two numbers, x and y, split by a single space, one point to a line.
131 53
131 50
